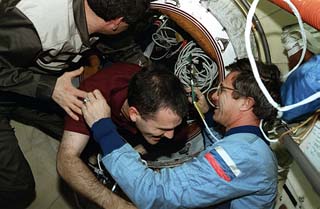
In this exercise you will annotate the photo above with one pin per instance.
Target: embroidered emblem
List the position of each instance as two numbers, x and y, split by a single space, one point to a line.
222 163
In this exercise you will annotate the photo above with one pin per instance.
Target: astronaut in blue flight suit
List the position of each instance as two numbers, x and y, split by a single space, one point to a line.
238 171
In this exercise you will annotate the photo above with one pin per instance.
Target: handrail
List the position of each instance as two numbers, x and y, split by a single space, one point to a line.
307 168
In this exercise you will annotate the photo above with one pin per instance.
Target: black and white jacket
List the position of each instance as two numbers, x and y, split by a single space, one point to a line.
39 38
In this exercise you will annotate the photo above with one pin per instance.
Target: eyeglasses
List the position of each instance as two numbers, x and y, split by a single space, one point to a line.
219 89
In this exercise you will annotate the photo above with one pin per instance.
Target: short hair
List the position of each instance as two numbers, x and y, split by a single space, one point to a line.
246 85
131 10
154 88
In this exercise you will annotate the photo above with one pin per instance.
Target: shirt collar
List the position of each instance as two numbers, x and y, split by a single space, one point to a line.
247 129
81 21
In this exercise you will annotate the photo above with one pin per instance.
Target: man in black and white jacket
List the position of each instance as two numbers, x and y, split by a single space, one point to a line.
39 40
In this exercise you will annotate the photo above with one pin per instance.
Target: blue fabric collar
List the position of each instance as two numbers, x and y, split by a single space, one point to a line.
247 129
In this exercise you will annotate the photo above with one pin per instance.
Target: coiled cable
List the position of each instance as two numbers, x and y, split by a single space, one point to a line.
204 69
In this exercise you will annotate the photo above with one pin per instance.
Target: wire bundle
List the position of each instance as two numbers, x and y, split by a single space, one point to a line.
166 38
205 69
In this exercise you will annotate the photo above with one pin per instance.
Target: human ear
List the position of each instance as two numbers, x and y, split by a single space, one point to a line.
247 103
133 114
119 20
116 22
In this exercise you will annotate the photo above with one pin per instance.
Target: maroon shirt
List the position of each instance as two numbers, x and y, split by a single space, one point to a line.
113 83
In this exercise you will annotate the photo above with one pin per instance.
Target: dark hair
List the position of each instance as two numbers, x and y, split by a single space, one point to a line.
155 87
130 10
246 85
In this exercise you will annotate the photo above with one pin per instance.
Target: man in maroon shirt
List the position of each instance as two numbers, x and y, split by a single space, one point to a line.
153 104
113 83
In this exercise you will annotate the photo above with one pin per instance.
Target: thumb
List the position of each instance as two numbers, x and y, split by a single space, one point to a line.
198 93
77 72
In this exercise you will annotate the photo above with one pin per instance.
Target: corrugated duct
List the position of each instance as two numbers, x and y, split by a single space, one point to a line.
308 9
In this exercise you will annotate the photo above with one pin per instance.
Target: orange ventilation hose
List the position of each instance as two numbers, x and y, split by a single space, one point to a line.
308 9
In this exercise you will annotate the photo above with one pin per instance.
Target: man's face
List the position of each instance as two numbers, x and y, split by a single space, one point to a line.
161 125
226 106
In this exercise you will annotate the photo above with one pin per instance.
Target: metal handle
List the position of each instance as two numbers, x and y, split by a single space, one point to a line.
173 2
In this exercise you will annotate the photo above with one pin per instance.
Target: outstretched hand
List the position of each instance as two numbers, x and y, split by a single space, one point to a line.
201 100
95 108
67 96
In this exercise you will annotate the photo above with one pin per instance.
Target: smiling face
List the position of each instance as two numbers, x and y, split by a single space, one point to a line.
227 108
161 125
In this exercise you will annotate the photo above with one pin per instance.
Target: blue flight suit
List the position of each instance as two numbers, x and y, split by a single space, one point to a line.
239 171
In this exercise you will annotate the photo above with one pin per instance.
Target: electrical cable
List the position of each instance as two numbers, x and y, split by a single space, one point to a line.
190 76
99 160
255 70
101 172
204 72
204 121
298 132
254 66
258 27
308 169
264 135
308 124
162 39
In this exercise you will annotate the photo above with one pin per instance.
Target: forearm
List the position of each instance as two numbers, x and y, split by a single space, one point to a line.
169 188
105 133
112 201
130 178
146 188
80 178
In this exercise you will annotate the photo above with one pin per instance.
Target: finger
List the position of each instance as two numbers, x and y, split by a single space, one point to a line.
84 109
98 94
71 114
75 109
91 96
78 102
78 93
85 113
187 89
76 73
198 92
